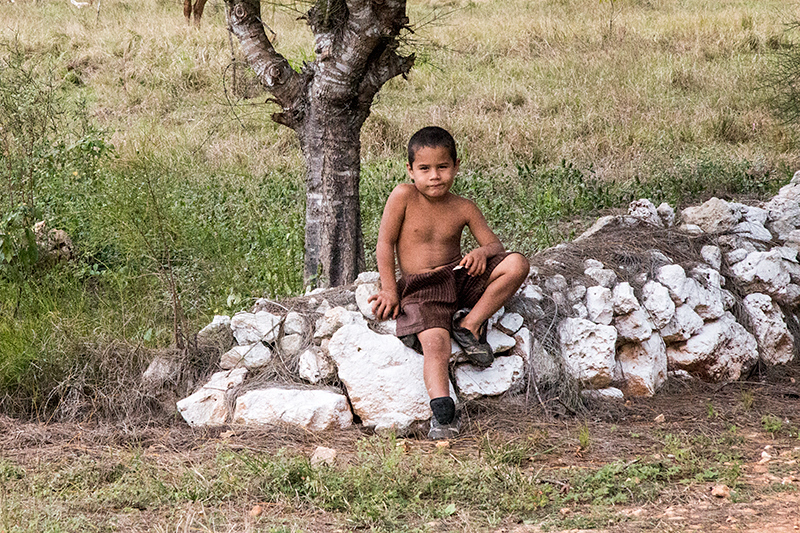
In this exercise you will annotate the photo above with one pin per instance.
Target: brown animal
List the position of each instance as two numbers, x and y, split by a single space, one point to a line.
195 11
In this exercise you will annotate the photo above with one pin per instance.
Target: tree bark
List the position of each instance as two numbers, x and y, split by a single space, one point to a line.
355 43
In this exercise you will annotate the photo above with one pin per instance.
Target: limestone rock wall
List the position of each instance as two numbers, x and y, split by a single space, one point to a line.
632 300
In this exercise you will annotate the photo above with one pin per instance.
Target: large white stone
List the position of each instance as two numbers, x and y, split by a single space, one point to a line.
752 230
602 276
511 322
314 410
704 293
643 366
720 351
363 293
588 351
291 345
249 356
599 304
644 210
368 277
334 319
599 224
633 327
315 366
294 324
504 374
712 255
765 272
249 328
673 277
499 341
775 343
623 299
713 216
208 406
576 293
532 292
684 323
784 210
556 283
383 377
656 299
667 214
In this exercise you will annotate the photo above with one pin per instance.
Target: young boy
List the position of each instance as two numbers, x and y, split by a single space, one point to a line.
440 292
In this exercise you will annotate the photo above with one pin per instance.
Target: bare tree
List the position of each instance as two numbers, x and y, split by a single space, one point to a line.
326 104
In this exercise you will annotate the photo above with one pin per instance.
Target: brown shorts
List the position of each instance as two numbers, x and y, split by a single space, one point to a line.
430 299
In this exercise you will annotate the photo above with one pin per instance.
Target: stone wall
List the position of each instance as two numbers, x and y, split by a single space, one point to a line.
635 300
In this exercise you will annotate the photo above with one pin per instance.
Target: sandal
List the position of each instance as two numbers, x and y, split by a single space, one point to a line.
477 350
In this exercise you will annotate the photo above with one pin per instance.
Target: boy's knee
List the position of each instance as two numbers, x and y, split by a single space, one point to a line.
518 265
435 340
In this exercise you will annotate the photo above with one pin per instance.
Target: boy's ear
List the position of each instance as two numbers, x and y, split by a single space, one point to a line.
458 163
409 169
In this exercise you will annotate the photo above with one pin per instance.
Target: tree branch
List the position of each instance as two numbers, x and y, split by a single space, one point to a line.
274 71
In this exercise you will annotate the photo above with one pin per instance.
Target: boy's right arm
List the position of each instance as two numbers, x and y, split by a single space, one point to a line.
386 304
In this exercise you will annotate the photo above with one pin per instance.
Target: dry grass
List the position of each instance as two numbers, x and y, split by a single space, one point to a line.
623 92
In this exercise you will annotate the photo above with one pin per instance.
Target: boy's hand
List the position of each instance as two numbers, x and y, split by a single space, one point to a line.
385 305
475 262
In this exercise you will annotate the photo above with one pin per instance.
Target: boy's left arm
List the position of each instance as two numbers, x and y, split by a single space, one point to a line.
490 245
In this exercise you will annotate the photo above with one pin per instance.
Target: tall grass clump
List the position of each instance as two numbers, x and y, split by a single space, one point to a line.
783 82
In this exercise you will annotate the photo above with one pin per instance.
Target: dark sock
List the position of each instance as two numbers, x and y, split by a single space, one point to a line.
444 409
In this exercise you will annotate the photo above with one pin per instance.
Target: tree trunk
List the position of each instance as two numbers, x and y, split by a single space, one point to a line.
330 142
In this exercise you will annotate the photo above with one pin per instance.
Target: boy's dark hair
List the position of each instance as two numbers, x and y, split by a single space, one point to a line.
431 137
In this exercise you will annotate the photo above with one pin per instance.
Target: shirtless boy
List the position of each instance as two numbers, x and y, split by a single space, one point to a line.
440 291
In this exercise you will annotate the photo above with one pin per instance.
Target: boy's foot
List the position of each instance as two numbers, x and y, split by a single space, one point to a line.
477 350
444 431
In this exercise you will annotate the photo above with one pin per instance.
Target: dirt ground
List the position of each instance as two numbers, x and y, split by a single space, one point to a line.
766 500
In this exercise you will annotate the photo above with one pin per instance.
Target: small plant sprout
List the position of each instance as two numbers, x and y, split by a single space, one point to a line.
747 399
772 424
584 438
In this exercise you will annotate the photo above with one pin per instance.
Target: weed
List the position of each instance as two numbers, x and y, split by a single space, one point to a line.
747 399
772 424
711 412
584 438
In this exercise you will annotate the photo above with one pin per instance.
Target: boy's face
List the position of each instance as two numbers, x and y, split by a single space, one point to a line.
433 171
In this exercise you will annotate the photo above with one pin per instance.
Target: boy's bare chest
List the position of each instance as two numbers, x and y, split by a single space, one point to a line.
442 225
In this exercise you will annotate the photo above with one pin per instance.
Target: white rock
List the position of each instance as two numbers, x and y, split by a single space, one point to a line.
511 322
291 345
644 210
592 263
324 307
720 351
752 230
533 292
313 410
323 455
623 299
684 323
643 366
691 229
712 255
249 356
753 214
765 272
363 293
599 304
504 374
609 393
556 283
673 277
602 276
576 293
161 370
382 376
499 341
368 277
713 216
588 351
633 327
294 323
789 254
334 319
495 318
656 299
540 362
775 343
784 210
579 311
315 366
249 328
667 214
734 256
208 406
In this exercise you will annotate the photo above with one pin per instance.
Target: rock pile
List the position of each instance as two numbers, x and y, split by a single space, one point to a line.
632 301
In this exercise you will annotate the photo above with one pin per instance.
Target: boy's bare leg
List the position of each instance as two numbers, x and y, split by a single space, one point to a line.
436 350
504 281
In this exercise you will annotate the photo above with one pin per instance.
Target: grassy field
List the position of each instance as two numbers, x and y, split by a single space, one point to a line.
144 142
